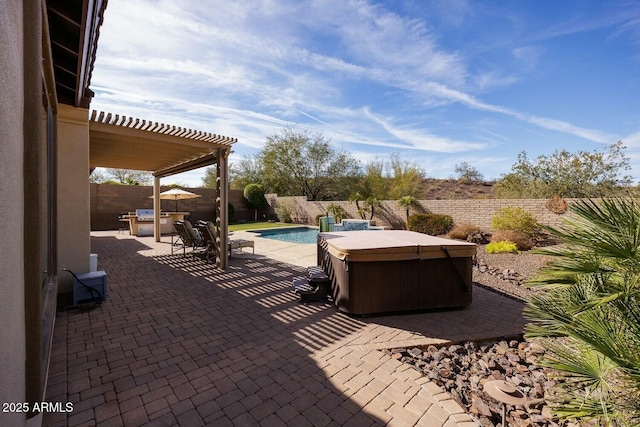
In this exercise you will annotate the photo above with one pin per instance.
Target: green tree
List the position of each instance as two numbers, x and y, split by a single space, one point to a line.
97 176
374 182
581 174
406 203
210 177
406 178
130 176
247 171
587 312
303 163
254 194
180 185
467 173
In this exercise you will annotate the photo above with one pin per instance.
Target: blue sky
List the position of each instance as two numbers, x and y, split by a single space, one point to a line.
437 82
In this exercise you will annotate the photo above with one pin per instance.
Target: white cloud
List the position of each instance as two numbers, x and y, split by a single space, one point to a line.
528 56
421 139
247 69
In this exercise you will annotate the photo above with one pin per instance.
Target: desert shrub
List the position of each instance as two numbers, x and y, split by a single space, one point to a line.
521 240
516 219
433 224
284 209
503 247
464 230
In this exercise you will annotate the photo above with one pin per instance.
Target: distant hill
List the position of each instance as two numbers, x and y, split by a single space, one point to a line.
439 189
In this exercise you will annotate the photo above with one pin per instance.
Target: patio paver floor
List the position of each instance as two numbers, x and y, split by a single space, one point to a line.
180 342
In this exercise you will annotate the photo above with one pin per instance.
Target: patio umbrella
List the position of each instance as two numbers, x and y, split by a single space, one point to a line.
177 194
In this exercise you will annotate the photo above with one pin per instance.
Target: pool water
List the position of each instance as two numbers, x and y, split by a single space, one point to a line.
293 234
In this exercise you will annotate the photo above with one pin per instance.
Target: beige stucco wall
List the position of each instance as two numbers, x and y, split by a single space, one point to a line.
74 243
12 325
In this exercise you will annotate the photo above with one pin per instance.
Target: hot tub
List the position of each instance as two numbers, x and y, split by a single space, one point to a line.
395 271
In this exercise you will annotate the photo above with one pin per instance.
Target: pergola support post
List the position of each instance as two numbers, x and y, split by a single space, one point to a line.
156 208
222 220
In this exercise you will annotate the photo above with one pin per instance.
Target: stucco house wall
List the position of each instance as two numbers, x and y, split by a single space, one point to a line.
12 357
74 241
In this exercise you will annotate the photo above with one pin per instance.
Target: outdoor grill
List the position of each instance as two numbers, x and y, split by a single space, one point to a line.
145 222
144 215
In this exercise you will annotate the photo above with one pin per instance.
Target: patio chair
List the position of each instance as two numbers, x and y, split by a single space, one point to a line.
123 223
208 232
232 243
188 238
239 244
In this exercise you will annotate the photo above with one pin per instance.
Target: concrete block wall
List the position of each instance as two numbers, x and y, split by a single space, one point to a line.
476 211
107 201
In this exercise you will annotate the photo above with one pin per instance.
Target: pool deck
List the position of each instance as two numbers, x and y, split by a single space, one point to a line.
180 342
302 255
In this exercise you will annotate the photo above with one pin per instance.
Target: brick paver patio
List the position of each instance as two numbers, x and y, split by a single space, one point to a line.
180 342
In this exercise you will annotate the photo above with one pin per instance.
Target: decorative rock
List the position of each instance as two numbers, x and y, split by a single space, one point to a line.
462 369
514 358
415 352
478 406
518 413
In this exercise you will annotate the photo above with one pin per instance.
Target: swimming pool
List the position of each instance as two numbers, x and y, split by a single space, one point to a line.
292 234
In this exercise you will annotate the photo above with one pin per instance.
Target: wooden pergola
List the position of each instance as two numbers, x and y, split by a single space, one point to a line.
117 141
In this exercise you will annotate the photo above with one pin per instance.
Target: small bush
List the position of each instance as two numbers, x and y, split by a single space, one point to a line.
521 240
503 247
318 218
284 209
516 219
462 231
433 224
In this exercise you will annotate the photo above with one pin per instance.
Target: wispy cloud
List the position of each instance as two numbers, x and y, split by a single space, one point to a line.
421 139
360 71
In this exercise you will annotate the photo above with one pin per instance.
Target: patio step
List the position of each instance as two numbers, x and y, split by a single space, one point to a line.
301 284
311 291
317 274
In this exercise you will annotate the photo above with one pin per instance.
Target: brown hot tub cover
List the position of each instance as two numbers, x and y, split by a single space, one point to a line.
392 245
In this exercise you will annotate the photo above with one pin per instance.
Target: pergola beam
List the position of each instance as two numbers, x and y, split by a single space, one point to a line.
124 142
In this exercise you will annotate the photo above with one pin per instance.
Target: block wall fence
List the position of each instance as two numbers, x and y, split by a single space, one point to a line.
108 201
478 212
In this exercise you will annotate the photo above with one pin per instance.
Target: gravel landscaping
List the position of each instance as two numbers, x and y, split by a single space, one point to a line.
505 273
463 368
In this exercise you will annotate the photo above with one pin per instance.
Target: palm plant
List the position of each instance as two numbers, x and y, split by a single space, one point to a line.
406 202
337 212
356 197
588 312
371 203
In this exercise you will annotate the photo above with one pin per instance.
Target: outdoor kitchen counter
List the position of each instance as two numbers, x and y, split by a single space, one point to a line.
392 271
166 223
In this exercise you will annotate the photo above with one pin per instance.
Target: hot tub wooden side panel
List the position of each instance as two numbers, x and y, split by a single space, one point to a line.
366 288
443 287
384 286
